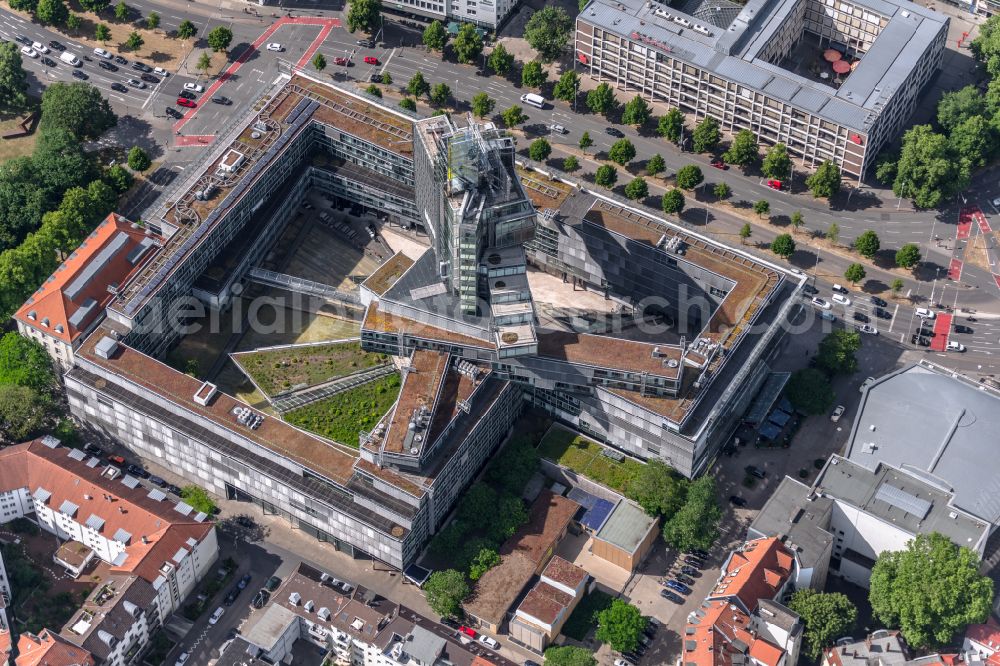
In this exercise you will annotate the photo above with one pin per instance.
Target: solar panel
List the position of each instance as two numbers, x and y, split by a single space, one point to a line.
77 454
121 536
130 481
95 522
903 500
157 495
68 508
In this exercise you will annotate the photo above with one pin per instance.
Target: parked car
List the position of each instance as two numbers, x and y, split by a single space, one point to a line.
684 579
698 552
182 658
690 571
244 581
917 340
371 60
672 596
367 43
231 597
222 99
622 662
275 46
694 562
719 164
774 184
468 631
736 500
104 64
260 599
171 488
827 315
375 78
186 95
809 289
865 384
614 131
753 470
141 67
840 298
194 87
216 615
116 460
186 103
56 46
838 411
93 449
820 303
489 642
136 470
272 583
839 289
157 481
449 622
868 328
77 74
101 53
343 62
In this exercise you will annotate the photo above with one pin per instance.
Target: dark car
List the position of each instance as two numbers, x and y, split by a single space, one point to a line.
77 74
244 581
959 328
917 340
528 662
875 300
121 61
104 64
367 43
141 67
678 586
690 571
448 622
157 481
149 78
119 87
136 470
839 289
809 289
672 596
174 490
736 500
699 553
375 78
694 562
231 597
924 332
882 314
56 46
260 599
22 39
221 99
174 113
93 449
861 316
755 471
48 62
272 583
186 94
684 579
614 131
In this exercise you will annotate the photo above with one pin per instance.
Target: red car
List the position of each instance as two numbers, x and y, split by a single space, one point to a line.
117 460
774 184
341 61
371 60
719 164
186 102
468 631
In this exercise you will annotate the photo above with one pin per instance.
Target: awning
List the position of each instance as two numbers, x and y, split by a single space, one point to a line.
770 431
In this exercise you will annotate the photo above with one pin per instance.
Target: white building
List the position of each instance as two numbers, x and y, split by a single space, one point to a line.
116 620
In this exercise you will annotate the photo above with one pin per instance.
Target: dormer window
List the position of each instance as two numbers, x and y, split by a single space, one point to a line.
32 315
45 322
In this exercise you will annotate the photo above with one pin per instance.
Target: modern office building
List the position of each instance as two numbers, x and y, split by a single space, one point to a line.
764 66
488 14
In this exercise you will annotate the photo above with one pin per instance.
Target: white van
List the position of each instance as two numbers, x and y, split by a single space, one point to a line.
534 100
70 59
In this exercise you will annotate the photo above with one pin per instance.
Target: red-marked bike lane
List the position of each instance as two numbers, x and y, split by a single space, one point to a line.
327 25
955 270
942 327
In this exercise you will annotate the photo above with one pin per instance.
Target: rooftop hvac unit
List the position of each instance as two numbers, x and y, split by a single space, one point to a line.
309 606
294 598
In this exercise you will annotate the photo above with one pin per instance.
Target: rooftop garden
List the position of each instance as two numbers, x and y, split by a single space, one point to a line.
343 416
586 458
279 370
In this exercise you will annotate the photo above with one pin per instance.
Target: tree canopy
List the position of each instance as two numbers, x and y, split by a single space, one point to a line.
606 176
658 489
567 86
835 354
468 44
621 152
501 61
319 62
928 171
826 616
620 625
547 31
138 160
539 150
706 135
77 107
637 189
51 12
435 36
810 391
417 85
825 181
744 150
569 655
445 591
777 163
440 94
931 590
219 38
655 165
855 273
533 75
24 362
957 106
23 412
513 116
364 15
670 124
783 245
696 523
601 99
908 256
689 177
673 202
867 244
482 104
636 112
186 29
12 77
199 500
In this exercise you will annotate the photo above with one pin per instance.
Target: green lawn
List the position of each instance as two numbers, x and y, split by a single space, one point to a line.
282 369
343 416
584 618
584 457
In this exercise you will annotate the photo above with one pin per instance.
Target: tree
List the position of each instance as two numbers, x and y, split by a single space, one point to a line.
482 104
501 61
836 352
908 256
440 94
833 232
777 163
783 245
186 29
24 5
319 62
585 141
855 273
509 514
24 362
689 177
570 164
539 150
102 33
867 244
706 135
386 78
673 202
974 140
73 22
885 169
721 191
655 165
77 107
931 590
152 21
478 505
621 152
928 171
957 106
51 12
364 15
134 41
620 625
810 391
826 617
533 75
220 37
468 44
825 181
796 221
119 178
486 559
445 591
435 36
122 11
12 77
636 189
22 412
567 86
606 176
547 31
601 99
204 62
745 233
896 286
568 655
636 112
138 160
671 125
417 86
373 90
761 207
744 150
198 499
658 489
408 104
513 116
696 523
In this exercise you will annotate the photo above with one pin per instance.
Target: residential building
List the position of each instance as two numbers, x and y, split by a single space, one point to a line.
982 642
116 621
49 649
718 634
626 536
881 648
746 66
540 616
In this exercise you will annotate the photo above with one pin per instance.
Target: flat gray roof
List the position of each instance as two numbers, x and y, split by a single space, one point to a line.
626 527
732 52
789 512
938 427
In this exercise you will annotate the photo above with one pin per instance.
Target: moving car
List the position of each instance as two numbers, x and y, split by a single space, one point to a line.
48 62
531 99
22 40
489 642
558 129
141 67
860 316
186 103
840 289
275 46
70 59
159 71
827 315
121 61
119 87
719 164
809 289
375 78
194 87
101 53
222 99
216 616
614 131
875 300
38 46
959 328
736 500
925 313
753 470
149 78
371 60
343 62
869 329
882 313
57 46
28 51
136 83
955 346
820 303
104 64
774 184
840 298
186 95
838 411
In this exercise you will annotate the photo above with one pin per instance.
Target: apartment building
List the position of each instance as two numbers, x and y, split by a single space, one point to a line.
746 65
488 14
116 621
49 649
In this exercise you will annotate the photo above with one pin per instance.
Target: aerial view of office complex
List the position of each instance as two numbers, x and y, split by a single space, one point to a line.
494 333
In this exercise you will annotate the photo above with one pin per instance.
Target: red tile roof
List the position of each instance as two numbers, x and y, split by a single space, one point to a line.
987 634
34 465
60 297
720 634
756 571
48 649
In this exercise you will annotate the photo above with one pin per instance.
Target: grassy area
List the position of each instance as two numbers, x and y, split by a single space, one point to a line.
283 369
343 416
584 618
584 457
11 148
